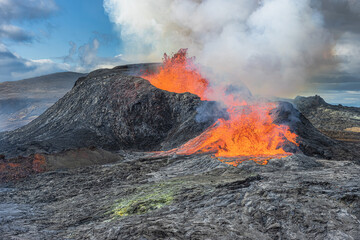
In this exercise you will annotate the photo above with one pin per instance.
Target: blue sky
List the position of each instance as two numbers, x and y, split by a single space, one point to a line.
39 37
77 21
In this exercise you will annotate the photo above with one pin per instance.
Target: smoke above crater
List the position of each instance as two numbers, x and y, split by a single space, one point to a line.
271 46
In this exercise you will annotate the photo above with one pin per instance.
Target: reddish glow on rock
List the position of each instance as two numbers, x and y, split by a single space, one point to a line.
20 167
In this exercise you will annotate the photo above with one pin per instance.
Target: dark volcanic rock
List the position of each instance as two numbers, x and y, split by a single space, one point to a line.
311 141
336 121
21 167
111 110
186 197
153 196
81 157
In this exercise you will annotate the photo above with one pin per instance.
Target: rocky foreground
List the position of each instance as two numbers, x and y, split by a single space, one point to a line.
83 170
186 197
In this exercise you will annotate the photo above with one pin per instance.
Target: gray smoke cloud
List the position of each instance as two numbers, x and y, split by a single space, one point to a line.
273 46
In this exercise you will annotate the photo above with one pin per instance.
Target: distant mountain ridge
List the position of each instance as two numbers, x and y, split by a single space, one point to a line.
31 87
22 101
336 121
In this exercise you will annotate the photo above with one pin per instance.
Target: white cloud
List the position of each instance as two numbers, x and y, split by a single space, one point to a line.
14 33
26 9
273 46
14 67
85 58
12 10
40 67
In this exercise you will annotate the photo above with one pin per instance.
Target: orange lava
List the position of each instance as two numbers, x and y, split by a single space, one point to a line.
179 74
249 130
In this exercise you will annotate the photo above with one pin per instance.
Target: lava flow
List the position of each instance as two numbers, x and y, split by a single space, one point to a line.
249 130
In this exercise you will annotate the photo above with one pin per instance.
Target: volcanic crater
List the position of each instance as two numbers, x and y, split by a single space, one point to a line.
120 158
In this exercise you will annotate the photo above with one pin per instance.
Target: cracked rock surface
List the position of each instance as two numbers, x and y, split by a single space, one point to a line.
186 197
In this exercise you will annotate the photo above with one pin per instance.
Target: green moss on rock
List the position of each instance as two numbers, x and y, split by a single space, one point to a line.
145 200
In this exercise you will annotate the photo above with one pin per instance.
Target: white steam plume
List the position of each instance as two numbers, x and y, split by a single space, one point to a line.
273 46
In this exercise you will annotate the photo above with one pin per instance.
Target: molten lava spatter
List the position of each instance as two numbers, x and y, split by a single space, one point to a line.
249 130
179 74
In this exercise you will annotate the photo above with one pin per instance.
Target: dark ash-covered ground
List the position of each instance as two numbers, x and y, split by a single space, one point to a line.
85 173
194 197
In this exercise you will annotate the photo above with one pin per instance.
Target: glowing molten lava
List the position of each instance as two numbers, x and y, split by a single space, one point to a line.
179 74
249 129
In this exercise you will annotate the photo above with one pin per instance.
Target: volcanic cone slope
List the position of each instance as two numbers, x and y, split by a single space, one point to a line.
111 110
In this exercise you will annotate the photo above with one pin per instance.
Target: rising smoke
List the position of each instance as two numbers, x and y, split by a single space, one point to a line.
273 46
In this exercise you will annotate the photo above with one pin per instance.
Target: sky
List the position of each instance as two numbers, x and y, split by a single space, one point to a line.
39 37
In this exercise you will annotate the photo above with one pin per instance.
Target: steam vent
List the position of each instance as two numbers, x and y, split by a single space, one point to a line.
193 119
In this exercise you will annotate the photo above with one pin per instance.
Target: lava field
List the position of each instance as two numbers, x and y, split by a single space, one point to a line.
119 157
